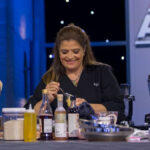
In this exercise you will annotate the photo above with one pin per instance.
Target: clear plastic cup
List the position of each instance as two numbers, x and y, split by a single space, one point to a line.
109 117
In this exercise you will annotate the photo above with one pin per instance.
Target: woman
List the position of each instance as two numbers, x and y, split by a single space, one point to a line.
76 71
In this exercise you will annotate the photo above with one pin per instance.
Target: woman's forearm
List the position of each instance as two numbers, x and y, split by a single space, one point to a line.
98 107
37 106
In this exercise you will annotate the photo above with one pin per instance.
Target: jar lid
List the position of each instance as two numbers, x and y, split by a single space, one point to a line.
13 110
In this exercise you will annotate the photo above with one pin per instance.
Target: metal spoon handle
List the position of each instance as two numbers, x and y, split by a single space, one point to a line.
66 94
62 90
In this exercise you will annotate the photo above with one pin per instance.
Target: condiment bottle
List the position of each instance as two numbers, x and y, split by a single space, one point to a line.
68 100
60 120
30 122
45 117
73 120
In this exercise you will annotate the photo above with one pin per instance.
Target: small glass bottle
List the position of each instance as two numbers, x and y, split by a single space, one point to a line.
30 125
60 120
45 117
73 120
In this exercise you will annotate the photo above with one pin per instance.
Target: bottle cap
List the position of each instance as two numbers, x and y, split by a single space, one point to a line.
30 110
60 97
44 91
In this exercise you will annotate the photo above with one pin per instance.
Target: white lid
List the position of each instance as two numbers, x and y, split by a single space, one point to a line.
13 110
30 110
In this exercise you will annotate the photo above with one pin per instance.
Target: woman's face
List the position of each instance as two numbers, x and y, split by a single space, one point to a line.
71 55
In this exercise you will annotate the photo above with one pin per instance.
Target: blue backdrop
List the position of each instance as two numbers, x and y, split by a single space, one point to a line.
22 51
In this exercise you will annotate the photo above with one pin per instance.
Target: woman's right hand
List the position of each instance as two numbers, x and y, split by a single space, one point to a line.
52 88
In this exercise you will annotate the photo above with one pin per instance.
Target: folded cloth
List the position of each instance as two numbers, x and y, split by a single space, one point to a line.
86 111
139 136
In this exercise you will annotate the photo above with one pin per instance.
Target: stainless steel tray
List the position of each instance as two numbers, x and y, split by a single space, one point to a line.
91 133
118 136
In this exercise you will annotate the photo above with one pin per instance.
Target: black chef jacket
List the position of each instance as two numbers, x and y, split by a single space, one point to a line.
97 85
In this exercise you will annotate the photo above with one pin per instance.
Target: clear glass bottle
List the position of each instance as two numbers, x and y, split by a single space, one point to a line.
60 120
73 120
45 118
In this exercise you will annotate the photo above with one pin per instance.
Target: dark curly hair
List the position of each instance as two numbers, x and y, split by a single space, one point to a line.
70 32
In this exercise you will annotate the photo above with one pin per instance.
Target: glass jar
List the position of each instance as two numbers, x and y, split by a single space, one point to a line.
13 123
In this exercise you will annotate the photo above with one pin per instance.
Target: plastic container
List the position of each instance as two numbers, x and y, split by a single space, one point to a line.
30 123
13 119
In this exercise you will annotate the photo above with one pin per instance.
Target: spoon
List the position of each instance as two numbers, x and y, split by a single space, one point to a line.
66 94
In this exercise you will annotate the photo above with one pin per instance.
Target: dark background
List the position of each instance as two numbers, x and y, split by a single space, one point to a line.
108 22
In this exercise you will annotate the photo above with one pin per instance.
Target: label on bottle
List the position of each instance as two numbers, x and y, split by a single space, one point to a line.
47 125
60 118
60 130
60 125
73 124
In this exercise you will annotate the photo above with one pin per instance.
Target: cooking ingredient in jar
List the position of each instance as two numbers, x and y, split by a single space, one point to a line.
13 130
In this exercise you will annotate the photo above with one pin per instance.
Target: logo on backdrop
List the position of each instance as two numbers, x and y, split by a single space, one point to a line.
143 37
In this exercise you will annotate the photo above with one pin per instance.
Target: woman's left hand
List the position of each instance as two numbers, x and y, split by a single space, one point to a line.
79 101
